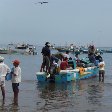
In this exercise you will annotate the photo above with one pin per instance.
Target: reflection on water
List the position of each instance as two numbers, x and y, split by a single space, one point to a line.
82 96
95 93
9 108
77 96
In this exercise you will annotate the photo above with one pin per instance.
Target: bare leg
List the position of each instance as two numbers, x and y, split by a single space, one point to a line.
99 77
3 94
102 77
42 68
16 97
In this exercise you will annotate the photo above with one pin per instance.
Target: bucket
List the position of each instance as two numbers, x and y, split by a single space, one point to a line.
8 76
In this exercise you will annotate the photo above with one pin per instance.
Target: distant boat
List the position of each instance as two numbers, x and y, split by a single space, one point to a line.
7 51
26 49
3 51
19 49
107 51
70 48
21 46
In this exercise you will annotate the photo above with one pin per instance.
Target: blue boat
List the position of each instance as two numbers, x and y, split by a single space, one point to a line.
75 74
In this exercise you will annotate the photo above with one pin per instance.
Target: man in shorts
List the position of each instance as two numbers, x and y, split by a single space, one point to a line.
4 69
46 57
16 79
101 70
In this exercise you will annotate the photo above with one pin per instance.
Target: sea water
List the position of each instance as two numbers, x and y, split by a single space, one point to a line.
83 96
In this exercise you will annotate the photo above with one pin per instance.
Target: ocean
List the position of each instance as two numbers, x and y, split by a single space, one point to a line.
83 96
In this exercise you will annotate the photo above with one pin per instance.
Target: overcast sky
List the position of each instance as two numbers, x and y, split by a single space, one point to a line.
79 22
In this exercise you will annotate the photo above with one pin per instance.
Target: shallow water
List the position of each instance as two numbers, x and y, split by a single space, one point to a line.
83 96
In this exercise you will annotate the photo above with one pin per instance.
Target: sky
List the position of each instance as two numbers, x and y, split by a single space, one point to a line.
60 22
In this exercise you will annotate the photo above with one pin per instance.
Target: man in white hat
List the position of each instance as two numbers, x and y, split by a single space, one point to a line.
4 69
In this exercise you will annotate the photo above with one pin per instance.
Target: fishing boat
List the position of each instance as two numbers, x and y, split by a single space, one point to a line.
19 49
74 74
7 51
107 50
3 51
75 51
26 49
71 48
23 48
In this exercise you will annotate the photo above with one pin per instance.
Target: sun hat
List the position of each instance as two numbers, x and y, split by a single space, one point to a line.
16 62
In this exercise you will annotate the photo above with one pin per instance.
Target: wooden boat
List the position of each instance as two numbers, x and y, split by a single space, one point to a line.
75 74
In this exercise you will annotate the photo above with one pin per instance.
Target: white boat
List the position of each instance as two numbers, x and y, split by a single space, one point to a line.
26 49
23 48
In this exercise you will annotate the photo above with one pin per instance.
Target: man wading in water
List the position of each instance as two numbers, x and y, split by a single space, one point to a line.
16 79
4 69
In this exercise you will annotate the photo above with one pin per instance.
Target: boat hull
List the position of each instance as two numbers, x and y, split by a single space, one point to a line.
69 75
7 52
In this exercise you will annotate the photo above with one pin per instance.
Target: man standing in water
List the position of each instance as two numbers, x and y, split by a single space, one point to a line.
16 79
46 57
101 70
4 69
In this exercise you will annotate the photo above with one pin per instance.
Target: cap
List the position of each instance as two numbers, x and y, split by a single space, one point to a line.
97 54
16 62
47 44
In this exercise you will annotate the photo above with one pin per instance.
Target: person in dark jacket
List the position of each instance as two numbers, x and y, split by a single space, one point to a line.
46 58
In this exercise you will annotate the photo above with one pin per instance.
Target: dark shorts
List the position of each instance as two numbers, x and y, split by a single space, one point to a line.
46 61
15 86
101 71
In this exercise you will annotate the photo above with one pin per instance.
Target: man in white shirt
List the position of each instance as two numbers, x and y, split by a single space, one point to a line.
16 79
101 70
4 69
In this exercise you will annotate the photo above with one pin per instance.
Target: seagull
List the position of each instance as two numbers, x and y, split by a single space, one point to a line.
42 2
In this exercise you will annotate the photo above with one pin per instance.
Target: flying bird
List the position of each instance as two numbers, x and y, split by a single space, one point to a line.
42 2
